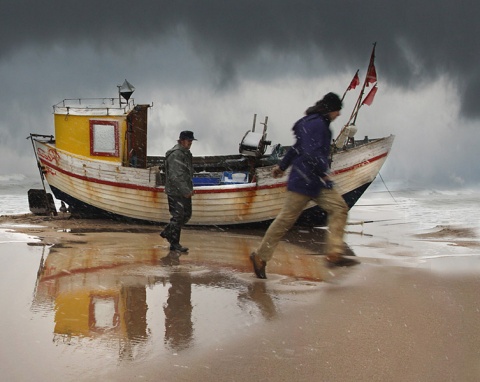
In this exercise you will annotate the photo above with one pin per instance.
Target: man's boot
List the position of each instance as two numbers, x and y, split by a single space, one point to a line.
175 240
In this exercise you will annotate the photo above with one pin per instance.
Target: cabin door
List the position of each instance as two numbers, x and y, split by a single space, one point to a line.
136 137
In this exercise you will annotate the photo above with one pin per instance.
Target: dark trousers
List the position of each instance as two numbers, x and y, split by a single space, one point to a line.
181 211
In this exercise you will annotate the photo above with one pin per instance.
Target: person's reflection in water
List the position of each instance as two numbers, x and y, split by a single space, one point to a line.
257 292
172 258
178 312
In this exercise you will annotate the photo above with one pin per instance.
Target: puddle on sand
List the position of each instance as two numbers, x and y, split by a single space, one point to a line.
119 297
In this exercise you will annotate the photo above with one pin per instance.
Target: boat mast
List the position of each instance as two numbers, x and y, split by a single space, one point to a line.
370 77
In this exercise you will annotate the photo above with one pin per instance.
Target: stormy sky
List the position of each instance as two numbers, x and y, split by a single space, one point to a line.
209 66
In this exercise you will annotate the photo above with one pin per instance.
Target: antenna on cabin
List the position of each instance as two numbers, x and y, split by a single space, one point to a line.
125 90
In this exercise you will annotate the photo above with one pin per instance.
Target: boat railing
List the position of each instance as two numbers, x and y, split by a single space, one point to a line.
107 106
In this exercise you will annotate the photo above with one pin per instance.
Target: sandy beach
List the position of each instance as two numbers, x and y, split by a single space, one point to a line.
90 300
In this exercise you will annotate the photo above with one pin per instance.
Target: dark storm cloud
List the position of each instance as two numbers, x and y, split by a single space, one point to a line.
419 40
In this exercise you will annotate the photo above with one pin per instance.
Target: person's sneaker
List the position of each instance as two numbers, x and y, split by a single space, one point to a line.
258 266
340 261
178 248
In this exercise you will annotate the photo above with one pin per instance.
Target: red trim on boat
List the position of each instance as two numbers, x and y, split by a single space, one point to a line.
157 189
200 191
374 159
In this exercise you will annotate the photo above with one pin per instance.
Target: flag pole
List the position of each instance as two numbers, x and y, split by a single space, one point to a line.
358 103
362 92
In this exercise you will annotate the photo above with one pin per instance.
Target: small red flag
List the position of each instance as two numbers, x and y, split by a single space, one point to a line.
369 98
355 82
371 74
371 71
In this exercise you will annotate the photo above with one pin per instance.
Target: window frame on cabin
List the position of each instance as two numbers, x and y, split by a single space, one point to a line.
94 320
104 151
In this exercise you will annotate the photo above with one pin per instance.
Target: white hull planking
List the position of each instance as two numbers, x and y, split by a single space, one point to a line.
131 192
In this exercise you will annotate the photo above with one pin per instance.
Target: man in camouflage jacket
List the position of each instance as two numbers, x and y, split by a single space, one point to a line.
179 189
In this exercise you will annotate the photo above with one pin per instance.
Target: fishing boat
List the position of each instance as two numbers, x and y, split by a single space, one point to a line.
97 164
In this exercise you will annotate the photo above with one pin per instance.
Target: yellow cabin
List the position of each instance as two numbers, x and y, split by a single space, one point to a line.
106 129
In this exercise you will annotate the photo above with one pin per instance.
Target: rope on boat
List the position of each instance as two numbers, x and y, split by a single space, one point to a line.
387 187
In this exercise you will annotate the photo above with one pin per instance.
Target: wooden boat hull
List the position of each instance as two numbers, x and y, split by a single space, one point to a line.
95 187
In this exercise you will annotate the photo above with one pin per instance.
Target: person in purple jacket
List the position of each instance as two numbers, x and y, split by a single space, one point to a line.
309 180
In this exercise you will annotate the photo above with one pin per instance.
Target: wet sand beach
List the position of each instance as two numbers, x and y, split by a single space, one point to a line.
88 300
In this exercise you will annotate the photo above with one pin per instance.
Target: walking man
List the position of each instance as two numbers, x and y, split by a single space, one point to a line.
309 180
179 189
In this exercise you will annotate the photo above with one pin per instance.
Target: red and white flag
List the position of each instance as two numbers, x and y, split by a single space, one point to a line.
371 75
369 98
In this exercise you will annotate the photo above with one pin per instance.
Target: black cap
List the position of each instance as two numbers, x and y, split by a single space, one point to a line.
332 102
187 135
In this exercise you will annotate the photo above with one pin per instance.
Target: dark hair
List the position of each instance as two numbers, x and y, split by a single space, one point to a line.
330 102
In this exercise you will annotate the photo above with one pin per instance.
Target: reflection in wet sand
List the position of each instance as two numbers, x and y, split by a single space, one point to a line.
258 295
409 311
178 312
122 289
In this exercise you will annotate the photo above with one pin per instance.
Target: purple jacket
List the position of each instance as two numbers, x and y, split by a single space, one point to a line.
309 156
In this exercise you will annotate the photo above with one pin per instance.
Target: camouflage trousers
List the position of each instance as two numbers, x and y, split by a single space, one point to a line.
181 211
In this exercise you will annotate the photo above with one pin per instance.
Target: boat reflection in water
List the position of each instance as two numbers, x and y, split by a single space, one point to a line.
131 295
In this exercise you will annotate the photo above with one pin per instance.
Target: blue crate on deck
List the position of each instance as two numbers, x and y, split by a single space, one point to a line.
205 181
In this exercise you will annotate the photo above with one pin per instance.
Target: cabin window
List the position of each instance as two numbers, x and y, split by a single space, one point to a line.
103 313
104 138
